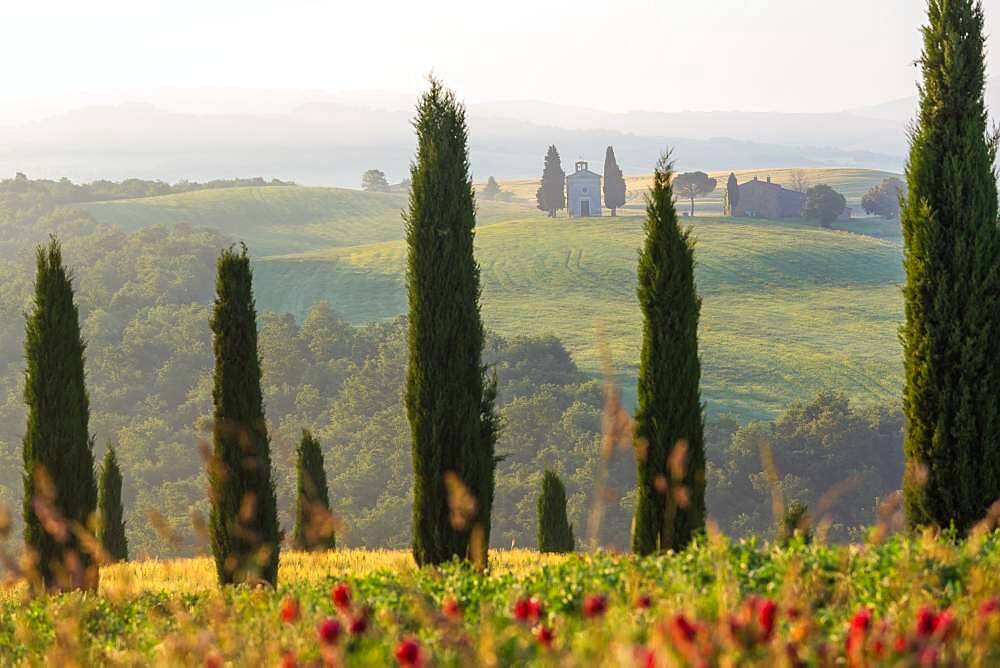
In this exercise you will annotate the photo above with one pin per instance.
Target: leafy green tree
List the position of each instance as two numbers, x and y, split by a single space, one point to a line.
374 181
313 522
491 190
952 259
692 185
883 199
60 493
551 195
824 205
732 195
444 393
111 527
669 424
614 182
244 519
794 521
555 533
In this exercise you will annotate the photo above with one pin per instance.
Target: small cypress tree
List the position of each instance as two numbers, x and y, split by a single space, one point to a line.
670 507
313 527
243 519
58 452
952 259
111 528
551 195
732 195
614 183
555 533
444 394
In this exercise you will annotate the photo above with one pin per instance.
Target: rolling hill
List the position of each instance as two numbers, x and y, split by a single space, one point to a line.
788 309
283 219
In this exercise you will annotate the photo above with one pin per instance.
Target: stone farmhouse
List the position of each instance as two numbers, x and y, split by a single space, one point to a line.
763 199
583 192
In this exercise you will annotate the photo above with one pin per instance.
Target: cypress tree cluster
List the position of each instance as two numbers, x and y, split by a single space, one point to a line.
951 336
614 183
60 493
555 533
448 411
313 522
111 527
669 423
551 194
243 520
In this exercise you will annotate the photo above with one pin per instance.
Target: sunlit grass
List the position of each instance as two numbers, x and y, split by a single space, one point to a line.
788 309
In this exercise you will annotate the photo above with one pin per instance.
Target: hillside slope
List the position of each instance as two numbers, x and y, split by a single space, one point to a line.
788 309
282 219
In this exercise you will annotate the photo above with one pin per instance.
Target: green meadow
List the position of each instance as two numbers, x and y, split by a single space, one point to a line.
789 309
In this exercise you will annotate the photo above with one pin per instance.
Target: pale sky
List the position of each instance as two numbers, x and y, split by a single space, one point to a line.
666 55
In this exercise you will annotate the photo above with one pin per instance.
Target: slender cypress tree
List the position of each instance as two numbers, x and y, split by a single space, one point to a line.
313 528
951 336
551 195
60 493
111 528
732 195
614 183
444 380
243 520
555 533
670 507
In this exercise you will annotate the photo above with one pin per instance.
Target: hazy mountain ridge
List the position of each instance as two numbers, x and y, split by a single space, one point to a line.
318 138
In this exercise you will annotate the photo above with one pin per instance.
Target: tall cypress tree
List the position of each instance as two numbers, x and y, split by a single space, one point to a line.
313 529
244 519
111 528
555 533
951 336
551 195
60 492
732 195
670 507
444 380
614 182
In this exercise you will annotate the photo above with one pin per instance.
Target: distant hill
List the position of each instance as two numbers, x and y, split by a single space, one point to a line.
788 309
317 139
283 219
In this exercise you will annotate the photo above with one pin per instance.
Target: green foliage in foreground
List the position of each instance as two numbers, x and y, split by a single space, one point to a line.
669 424
952 261
452 467
244 517
313 525
60 493
111 520
555 533
817 591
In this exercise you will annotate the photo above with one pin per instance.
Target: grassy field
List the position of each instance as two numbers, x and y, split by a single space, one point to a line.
918 601
788 309
283 219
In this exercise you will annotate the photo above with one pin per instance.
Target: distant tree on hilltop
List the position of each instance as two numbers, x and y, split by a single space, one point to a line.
824 204
551 195
374 181
732 195
692 185
883 199
491 190
614 182
799 179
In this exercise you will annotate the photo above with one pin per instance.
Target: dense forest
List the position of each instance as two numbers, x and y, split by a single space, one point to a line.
144 301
